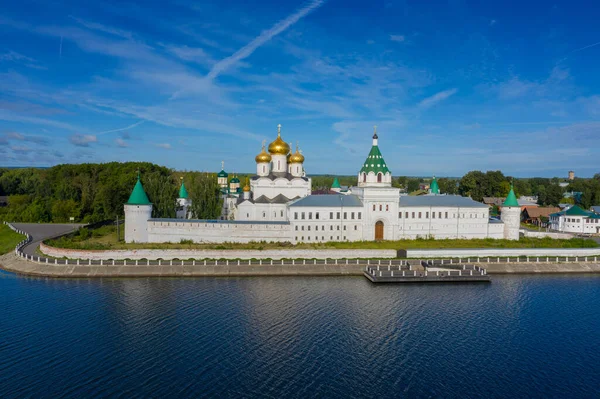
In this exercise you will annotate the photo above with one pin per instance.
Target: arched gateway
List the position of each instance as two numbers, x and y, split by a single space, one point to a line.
379 231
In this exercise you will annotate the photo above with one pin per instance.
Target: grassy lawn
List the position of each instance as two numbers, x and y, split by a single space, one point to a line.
8 239
106 238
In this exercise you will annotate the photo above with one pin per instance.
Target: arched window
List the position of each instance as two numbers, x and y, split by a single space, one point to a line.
278 165
264 168
364 177
380 207
379 177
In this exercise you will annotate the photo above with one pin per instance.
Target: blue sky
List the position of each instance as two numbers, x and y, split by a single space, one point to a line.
452 86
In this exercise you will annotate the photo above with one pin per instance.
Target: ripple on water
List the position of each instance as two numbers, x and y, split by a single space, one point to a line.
299 337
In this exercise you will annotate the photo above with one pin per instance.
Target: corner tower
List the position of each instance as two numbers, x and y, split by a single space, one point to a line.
183 202
374 171
511 215
137 212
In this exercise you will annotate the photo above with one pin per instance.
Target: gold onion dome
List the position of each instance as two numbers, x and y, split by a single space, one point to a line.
297 157
247 187
263 157
279 147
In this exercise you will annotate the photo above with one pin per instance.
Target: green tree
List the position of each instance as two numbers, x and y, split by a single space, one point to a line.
554 195
205 195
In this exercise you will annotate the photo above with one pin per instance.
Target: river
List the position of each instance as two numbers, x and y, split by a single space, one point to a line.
296 337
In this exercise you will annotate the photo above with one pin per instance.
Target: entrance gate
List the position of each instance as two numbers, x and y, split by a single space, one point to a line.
379 231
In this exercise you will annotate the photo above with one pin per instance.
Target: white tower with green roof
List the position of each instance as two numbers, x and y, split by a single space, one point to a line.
511 215
138 210
222 176
374 171
183 202
434 188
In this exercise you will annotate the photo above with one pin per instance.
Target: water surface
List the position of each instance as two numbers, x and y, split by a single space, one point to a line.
294 337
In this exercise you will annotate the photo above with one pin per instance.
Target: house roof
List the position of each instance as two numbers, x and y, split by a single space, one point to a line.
575 210
329 201
440 200
536 212
493 200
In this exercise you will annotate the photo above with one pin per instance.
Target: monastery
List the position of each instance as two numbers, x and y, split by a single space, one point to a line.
277 205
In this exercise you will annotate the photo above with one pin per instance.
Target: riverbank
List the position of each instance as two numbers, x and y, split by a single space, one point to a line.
11 262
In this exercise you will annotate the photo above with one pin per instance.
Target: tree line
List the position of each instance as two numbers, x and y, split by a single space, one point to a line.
94 192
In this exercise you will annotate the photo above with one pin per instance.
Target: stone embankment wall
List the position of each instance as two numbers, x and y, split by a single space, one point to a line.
168 254
495 252
542 234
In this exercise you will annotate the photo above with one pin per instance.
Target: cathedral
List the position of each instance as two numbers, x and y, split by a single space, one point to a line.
276 204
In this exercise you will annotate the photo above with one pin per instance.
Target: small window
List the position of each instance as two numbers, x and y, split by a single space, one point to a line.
308 228
352 215
338 228
426 215
345 215
387 208
446 215
281 213
379 176
413 215
399 215
359 215
337 215
296 228
406 215
373 206
355 227
364 177
303 216
330 227
440 215
433 215
264 214
344 228
317 215
310 215
322 228
380 207
303 230
419 215
296 215
330 215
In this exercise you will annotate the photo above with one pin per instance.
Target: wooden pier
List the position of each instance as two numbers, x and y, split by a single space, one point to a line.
426 272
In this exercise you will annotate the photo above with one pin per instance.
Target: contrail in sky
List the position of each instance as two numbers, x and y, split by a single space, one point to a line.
264 37
121 129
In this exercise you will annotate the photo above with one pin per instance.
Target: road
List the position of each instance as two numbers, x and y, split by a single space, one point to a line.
40 232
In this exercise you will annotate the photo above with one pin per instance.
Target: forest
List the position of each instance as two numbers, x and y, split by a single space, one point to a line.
95 192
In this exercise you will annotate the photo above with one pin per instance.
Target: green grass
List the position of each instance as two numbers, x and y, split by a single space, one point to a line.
8 239
106 238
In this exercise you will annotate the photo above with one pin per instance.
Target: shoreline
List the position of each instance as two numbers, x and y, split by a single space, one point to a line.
15 264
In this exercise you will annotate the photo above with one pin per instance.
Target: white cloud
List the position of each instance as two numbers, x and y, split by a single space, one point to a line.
436 98
121 143
397 38
166 146
83 140
264 37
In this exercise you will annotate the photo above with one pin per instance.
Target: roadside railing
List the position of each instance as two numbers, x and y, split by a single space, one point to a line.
20 245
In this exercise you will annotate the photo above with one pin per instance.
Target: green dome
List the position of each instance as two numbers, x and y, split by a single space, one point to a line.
433 187
222 173
336 183
511 198
182 191
138 195
374 162
235 180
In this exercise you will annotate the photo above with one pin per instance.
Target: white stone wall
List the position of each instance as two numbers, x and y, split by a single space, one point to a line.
380 204
575 224
219 254
136 222
203 231
511 217
247 211
183 208
494 252
263 169
279 163
445 222
297 187
321 224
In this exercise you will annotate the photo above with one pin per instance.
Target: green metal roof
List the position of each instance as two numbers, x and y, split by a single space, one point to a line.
575 210
222 173
511 198
336 183
182 191
433 187
138 195
374 162
235 180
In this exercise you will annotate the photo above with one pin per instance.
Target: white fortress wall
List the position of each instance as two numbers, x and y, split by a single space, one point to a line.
173 231
502 252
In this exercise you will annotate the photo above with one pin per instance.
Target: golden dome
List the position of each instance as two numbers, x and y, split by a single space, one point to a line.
247 187
279 147
297 157
263 157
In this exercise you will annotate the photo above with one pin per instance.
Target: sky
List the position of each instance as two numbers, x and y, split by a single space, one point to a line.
452 86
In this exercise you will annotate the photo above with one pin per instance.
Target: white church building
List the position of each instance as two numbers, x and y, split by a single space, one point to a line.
277 205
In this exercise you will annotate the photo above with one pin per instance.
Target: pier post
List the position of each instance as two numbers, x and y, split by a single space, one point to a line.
159 262
437 273
193 262
478 259
527 259
77 262
460 273
538 260
392 273
101 263
403 273
377 267
56 261
471 272
113 262
204 262
171 262
227 262
425 272
293 261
